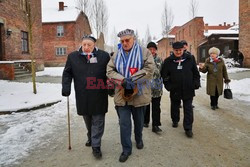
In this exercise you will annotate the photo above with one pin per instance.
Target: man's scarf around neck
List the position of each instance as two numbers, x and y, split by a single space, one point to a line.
132 60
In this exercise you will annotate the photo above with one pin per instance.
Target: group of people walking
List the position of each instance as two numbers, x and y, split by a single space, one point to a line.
137 76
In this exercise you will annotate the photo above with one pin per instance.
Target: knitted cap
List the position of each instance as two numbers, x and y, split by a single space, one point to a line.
177 45
214 50
126 32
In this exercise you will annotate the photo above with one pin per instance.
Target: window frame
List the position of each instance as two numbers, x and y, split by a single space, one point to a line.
60 32
62 51
24 42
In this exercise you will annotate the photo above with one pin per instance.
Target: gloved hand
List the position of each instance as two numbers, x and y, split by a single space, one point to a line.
127 83
65 93
227 81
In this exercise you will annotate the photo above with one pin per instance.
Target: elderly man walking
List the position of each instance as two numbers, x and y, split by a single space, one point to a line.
131 64
88 69
181 77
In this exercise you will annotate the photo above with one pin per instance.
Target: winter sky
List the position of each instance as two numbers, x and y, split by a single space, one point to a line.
137 14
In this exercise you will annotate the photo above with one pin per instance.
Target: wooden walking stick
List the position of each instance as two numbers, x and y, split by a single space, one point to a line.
68 122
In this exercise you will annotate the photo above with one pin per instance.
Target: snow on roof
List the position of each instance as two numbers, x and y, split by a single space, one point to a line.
51 13
231 30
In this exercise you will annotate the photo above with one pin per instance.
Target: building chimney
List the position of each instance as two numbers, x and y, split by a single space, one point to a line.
234 23
225 23
61 6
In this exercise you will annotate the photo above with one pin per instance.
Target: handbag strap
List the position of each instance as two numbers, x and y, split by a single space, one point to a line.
227 86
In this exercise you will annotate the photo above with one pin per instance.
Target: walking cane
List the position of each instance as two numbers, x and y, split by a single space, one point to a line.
68 122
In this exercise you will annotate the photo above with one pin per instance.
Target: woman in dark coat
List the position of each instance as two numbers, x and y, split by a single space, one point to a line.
88 69
216 71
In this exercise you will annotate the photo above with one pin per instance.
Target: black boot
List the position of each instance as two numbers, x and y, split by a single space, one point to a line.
88 143
156 129
97 152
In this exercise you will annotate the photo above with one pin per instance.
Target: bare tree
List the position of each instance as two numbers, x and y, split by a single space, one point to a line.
193 8
99 19
167 19
31 19
148 36
84 6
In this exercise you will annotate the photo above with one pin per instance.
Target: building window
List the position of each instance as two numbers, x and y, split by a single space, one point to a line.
61 51
171 43
203 53
23 5
60 31
226 49
25 42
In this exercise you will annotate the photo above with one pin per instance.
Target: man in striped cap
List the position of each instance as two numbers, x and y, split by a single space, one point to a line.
131 64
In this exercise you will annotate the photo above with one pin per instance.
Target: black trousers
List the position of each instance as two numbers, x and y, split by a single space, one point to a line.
214 99
188 112
156 112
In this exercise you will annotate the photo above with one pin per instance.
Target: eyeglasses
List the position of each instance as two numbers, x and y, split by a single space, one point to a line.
125 40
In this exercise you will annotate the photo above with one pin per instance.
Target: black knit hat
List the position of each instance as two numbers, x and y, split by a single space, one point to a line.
152 45
177 45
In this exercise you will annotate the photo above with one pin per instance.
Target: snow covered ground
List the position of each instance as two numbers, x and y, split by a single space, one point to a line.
51 71
21 132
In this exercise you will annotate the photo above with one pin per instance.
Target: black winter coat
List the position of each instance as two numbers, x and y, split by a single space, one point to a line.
181 82
89 100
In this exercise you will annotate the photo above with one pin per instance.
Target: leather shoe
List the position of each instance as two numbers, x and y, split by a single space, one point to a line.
97 152
175 124
156 129
88 143
123 157
216 107
145 125
213 107
139 145
189 133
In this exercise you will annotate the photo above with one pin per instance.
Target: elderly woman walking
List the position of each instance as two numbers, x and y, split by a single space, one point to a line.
216 72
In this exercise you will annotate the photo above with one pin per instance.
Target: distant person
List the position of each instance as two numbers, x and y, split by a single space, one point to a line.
216 71
156 92
181 77
241 58
128 64
86 67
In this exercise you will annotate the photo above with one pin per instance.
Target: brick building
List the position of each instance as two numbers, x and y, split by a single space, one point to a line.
193 33
244 35
165 43
62 33
14 36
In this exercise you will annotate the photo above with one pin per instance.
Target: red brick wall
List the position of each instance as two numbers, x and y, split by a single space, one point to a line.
193 33
164 47
15 18
73 32
7 71
244 36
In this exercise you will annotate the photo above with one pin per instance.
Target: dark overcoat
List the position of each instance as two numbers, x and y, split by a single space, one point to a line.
181 82
89 82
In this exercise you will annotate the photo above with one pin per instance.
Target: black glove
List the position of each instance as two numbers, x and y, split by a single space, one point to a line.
127 83
227 81
197 85
65 93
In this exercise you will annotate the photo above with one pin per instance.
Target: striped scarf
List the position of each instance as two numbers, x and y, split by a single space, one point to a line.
133 59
